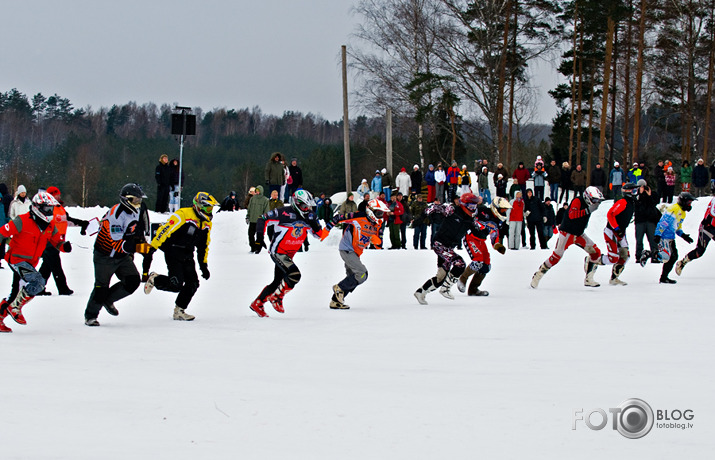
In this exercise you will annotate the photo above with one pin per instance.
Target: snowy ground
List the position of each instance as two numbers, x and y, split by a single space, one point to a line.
495 377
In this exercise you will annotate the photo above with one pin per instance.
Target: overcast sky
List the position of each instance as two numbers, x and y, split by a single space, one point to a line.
276 54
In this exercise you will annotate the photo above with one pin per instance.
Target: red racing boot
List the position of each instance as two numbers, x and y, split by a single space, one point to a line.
276 299
257 306
15 308
3 314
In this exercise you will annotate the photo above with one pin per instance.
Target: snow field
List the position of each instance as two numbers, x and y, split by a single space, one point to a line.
489 377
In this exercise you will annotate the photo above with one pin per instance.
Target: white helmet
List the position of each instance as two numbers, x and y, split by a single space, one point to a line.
592 196
302 202
43 206
499 207
376 210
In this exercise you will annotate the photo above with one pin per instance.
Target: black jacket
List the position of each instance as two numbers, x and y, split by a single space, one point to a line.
455 225
700 176
598 177
645 208
163 175
296 175
536 210
230 203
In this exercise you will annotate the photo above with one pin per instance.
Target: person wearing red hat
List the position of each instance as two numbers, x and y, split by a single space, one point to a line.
51 263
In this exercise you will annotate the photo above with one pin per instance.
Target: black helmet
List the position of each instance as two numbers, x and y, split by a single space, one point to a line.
685 200
132 195
629 190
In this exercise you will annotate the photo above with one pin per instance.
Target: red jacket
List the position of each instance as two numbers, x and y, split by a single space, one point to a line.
28 241
517 211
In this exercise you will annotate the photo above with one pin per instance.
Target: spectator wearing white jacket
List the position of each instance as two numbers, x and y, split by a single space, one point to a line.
403 182
21 204
440 178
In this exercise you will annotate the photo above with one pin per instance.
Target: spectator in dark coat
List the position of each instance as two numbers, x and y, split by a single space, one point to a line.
701 179
598 178
430 181
535 218
230 203
419 222
646 219
296 176
325 211
500 170
578 179
162 174
561 213
416 178
501 185
659 176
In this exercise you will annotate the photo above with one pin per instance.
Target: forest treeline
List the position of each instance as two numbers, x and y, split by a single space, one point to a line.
639 73
90 154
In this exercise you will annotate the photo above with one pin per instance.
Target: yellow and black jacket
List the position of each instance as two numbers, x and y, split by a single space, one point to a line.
183 232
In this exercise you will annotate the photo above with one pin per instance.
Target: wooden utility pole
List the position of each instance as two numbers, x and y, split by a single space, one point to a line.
639 81
711 75
388 140
346 122
606 84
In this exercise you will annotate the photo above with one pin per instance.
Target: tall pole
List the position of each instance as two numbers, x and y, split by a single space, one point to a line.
388 140
181 150
346 122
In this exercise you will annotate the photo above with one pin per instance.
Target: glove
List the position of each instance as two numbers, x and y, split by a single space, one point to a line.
501 249
619 232
656 239
687 238
268 182
83 227
67 246
526 214
205 273
145 276
143 248
545 219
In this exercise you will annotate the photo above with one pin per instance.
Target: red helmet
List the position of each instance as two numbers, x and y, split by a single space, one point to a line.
469 202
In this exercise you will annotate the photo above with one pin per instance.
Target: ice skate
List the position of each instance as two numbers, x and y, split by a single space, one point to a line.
181 315
479 293
91 322
257 307
420 295
666 280
617 282
149 285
